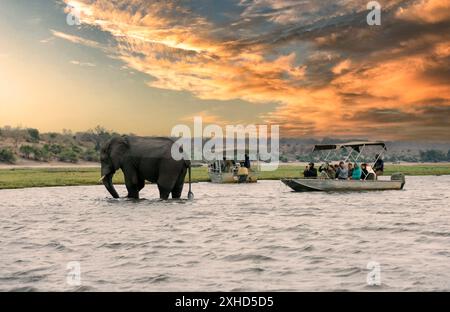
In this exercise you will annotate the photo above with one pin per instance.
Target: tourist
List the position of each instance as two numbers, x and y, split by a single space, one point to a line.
356 175
327 171
227 165
336 170
247 161
364 172
310 171
379 165
342 173
350 170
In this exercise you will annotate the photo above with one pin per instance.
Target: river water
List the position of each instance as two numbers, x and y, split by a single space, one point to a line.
231 237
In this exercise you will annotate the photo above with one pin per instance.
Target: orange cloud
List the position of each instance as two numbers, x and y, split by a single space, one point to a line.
426 11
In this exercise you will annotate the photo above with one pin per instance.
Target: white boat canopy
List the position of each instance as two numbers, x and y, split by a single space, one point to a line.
236 153
354 145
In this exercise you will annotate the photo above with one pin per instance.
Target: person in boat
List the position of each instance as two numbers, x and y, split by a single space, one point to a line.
242 173
227 165
247 162
356 174
367 172
364 172
379 165
327 171
342 172
350 170
310 171
372 175
212 167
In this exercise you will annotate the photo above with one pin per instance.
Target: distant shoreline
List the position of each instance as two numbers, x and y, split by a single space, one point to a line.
29 164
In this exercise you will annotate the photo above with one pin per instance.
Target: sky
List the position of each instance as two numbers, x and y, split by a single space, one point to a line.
316 68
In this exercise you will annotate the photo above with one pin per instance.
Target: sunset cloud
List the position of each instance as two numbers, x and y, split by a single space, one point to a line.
426 11
74 39
82 64
326 69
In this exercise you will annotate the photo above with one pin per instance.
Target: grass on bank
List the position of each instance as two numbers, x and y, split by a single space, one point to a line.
44 177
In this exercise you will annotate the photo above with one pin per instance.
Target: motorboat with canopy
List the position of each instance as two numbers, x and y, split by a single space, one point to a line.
237 169
353 152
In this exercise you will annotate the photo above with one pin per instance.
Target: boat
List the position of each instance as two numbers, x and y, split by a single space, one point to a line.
222 170
329 184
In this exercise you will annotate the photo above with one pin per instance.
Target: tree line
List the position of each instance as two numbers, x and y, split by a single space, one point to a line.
29 143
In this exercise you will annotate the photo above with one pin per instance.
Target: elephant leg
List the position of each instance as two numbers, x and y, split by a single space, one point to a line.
133 191
141 184
132 182
178 188
168 176
164 192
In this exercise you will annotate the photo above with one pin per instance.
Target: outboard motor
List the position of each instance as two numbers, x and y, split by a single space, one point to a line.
399 177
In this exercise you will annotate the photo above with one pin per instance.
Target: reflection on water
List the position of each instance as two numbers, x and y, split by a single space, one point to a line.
231 237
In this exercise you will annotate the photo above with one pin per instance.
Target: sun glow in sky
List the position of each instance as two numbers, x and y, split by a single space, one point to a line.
316 68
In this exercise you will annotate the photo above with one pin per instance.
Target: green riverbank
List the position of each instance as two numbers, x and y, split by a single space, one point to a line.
46 177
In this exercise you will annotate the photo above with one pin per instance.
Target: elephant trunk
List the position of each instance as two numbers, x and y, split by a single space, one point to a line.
107 182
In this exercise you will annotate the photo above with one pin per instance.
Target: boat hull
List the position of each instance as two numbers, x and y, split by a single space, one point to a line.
327 185
229 177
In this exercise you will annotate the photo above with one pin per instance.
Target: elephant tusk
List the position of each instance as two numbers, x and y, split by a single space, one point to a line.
101 179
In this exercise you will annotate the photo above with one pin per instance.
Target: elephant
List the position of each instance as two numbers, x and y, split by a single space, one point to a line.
144 159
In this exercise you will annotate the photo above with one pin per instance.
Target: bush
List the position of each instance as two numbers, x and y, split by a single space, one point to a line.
27 151
35 153
54 149
7 155
90 155
283 159
432 156
76 149
33 134
68 155
43 154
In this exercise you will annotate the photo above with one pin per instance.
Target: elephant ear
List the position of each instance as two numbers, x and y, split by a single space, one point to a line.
118 148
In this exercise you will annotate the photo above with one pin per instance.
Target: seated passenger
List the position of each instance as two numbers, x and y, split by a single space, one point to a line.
330 172
350 170
336 169
310 171
342 173
371 174
327 171
356 175
379 165
227 165
364 172
242 174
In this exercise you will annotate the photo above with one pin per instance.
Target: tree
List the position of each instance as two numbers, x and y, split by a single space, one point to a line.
7 155
55 149
34 134
27 151
432 156
68 155
90 155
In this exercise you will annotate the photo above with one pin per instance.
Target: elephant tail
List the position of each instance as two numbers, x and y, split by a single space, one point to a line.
190 193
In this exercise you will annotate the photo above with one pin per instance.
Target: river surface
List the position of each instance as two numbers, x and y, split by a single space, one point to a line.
254 237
